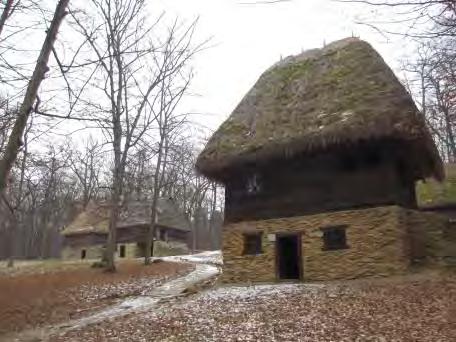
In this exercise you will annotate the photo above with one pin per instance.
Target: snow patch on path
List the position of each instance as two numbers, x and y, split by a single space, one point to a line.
245 292
208 257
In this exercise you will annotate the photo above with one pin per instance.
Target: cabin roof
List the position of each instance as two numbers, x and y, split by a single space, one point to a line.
344 93
95 218
431 193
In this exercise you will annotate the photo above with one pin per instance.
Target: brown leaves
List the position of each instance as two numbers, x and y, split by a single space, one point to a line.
34 299
408 309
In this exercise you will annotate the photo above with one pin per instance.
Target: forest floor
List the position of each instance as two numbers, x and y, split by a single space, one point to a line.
420 307
34 294
417 307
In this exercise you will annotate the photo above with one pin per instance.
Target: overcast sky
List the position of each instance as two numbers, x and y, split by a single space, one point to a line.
247 39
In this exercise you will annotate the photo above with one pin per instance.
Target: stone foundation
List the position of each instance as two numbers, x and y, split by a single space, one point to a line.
432 238
376 238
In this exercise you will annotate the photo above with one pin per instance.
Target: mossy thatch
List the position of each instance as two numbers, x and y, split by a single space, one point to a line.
95 218
431 193
341 94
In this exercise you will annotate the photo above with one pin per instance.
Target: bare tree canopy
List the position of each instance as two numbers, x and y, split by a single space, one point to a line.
414 19
139 80
15 138
430 27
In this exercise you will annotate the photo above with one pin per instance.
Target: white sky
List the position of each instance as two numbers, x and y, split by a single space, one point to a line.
247 39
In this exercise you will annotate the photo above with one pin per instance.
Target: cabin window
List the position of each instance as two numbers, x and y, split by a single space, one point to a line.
334 238
122 251
253 184
83 254
252 244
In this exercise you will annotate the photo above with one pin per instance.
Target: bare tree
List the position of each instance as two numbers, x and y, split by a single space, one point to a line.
15 137
125 51
430 77
86 165
6 13
420 19
171 92
432 80
13 202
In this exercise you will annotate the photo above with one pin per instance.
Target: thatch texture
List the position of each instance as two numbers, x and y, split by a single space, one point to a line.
343 93
95 219
431 193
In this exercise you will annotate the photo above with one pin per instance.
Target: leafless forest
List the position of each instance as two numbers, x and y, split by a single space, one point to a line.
91 112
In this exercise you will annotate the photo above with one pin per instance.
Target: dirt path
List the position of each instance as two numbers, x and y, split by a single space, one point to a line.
129 305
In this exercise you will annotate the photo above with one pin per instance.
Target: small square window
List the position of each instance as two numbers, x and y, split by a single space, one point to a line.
334 238
252 244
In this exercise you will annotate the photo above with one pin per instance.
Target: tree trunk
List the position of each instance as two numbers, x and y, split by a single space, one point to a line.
212 219
12 228
116 198
5 14
15 138
149 252
112 234
153 215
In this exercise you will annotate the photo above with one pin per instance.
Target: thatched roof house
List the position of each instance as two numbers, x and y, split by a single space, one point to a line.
339 95
319 161
86 236
95 219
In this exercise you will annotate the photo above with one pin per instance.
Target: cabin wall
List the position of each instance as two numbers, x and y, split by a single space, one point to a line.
92 252
95 252
173 241
376 238
432 238
315 185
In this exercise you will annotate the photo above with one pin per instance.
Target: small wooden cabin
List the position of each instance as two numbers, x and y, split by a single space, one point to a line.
86 236
319 162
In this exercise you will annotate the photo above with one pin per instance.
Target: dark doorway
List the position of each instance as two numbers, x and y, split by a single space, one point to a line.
288 249
122 251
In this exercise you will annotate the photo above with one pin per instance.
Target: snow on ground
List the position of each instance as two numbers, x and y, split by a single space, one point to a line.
408 309
257 291
207 257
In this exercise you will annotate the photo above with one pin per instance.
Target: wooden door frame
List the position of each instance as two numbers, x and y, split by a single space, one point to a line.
298 236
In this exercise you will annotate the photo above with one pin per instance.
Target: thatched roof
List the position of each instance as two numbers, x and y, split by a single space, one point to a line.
431 193
95 219
343 93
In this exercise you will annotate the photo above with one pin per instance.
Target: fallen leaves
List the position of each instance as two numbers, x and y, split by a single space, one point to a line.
35 299
409 309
